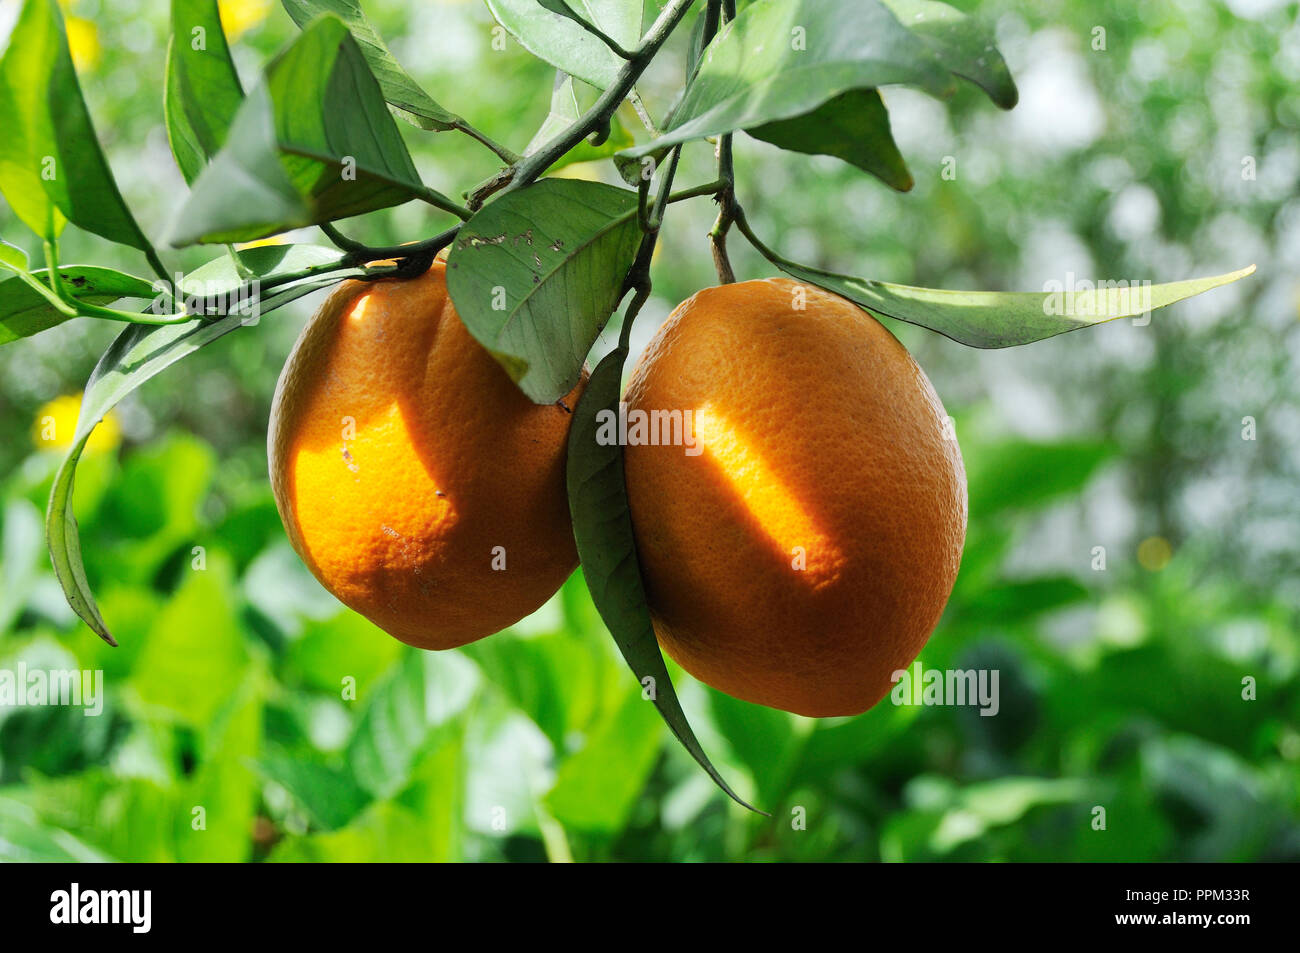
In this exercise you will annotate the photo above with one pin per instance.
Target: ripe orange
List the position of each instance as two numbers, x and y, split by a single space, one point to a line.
415 480
807 552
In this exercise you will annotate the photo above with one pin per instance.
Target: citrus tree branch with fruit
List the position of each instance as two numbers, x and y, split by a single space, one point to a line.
440 455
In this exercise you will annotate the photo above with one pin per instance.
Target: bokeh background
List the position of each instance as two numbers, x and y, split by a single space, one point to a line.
1152 141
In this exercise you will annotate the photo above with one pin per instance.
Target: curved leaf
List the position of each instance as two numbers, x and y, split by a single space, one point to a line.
401 91
962 44
24 311
201 91
783 58
602 527
853 126
51 166
315 142
536 274
136 355
566 44
992 319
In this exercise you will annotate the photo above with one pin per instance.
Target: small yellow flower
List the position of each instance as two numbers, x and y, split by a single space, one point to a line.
262 242
1154 553
83 44
56 425
240 16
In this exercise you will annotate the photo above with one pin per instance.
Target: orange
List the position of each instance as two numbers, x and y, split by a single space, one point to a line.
806 552
415 480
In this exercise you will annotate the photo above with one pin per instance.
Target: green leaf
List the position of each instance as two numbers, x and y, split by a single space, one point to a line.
992 319
24 311
201 92
347 646
197 631
783 58
51 166
314 143
602 528
588 795
566 44
384 833
962 44
136 355
564 113
1024 474
419 695
24 839
402 92
224 785
853 126
13 258
558 251
330 797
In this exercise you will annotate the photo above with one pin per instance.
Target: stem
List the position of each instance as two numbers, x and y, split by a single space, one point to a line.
441 201
358 252
596 119
709 188
726 174
638 276
502 153
726 213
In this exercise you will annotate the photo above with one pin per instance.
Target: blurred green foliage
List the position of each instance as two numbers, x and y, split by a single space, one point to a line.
304 733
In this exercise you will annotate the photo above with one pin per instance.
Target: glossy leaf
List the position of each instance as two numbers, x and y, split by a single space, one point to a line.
962 43
602 528
536 274
136 355
566 44
783 58
315 142
51 166
201 92
401 91
992 319
24 311
853 126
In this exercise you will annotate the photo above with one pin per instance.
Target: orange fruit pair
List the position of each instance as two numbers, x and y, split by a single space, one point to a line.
797 555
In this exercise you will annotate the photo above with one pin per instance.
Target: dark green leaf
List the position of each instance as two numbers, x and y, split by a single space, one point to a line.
602 527
24 311
536 274
962 44
51 166
569 46
202 92
853 126
991 319
330 797
411 102
314 143
783 58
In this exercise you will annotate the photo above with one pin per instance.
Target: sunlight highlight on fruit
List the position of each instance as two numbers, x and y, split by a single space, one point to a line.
777 511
